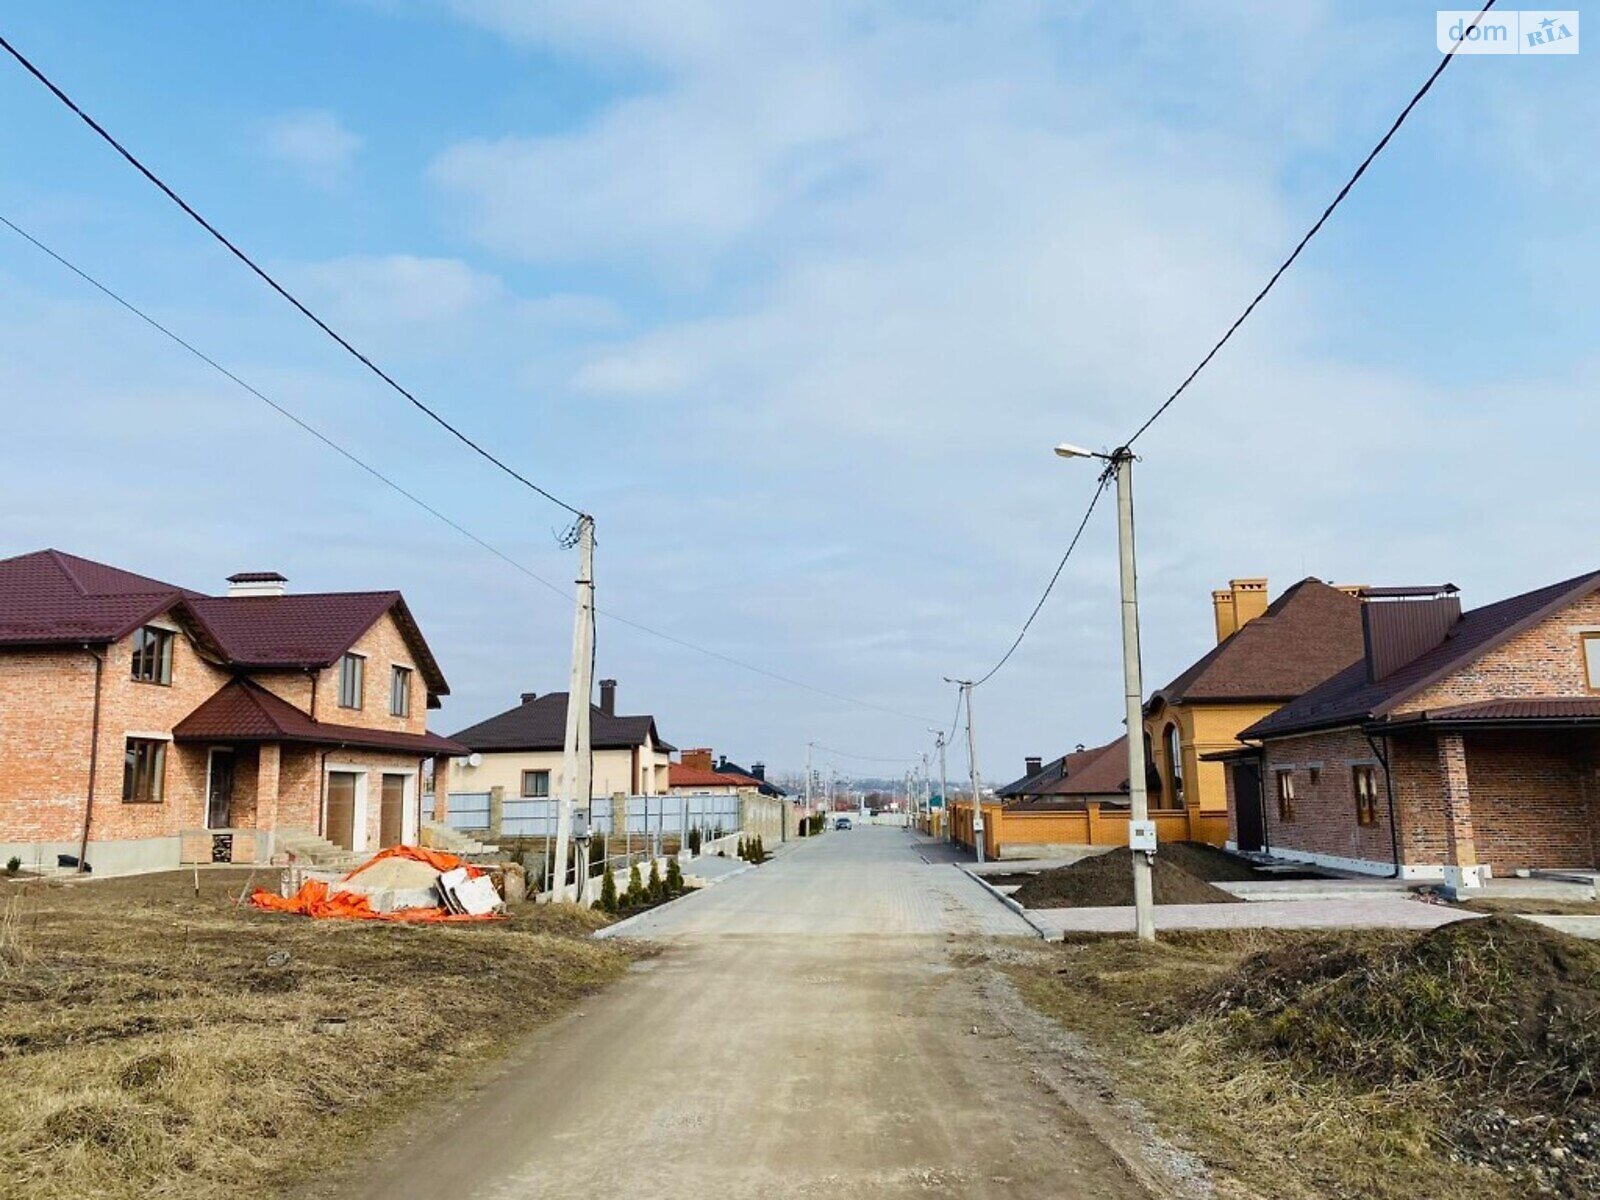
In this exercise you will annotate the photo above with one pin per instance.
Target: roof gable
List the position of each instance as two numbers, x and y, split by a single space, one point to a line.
1307 634
50 598
1350 697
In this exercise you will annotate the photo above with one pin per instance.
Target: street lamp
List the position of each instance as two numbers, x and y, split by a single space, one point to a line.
1141 830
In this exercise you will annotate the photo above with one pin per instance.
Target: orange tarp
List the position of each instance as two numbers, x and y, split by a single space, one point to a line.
314 900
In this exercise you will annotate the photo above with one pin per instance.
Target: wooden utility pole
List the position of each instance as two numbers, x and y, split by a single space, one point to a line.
576 783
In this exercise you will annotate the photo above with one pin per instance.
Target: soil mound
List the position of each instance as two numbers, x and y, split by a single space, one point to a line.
1504 1013
1107 880
1209 863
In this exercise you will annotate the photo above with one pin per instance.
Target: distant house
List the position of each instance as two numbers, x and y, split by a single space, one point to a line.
1266 655
522 749
147 724
755 777
1454 740
695 773
1073 781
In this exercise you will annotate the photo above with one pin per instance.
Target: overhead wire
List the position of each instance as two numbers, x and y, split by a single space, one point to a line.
1313 231
261 272
400 489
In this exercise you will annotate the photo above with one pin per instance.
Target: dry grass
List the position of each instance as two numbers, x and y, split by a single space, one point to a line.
1270 1119
1533 906
152 1043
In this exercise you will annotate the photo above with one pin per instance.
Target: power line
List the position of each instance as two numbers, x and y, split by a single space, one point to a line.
273 283
859 757
289 414
1100 488
1310 233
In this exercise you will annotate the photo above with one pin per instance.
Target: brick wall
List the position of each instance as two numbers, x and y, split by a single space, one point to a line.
1532 802
46 711
384 647
1325 806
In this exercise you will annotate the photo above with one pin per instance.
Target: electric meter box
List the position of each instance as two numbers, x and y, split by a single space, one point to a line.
1142 836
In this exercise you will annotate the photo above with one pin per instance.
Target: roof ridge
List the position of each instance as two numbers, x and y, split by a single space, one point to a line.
59 557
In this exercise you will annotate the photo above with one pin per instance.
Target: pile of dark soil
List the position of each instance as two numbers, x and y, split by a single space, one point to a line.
1505 1014
1107 880
1210 863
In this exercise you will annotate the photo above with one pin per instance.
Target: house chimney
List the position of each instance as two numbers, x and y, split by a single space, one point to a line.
608 697
699 757
1222 605
1033 764
1236 606
529 697
759 771
1401 624
257 583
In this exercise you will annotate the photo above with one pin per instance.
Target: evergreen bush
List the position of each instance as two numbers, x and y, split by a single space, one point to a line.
695 840
635 893
608 891
674 877
653 888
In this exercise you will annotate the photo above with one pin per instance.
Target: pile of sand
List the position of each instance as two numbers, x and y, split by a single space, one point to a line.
396 873
1106 880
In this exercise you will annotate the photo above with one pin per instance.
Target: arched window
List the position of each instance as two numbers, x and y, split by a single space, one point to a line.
1175 765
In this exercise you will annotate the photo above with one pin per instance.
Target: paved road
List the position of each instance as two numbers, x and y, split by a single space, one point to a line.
806 1031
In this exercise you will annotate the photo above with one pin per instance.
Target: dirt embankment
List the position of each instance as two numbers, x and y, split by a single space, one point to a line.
155 1043
1107 880
1465 1060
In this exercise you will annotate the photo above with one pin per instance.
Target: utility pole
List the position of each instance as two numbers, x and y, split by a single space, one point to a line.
944 787
1133 687
809 745
972 761
575 760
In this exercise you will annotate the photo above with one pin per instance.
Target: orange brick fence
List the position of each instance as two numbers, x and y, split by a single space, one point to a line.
1011 829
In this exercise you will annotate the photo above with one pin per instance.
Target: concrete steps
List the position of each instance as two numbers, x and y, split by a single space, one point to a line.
437 836
302 846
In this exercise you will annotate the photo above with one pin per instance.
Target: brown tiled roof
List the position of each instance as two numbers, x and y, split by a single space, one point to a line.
244 711
52 598
1306 634
1069 780
1349 698
541 724
679 775
1550 710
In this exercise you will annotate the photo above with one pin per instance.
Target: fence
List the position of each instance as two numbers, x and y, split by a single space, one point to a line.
1092 825
647 816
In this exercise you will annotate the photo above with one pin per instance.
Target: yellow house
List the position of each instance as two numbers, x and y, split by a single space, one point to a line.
1265 656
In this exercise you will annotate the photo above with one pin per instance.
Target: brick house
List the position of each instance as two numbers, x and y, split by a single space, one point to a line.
144 725
1089 775
1266 655
1457 741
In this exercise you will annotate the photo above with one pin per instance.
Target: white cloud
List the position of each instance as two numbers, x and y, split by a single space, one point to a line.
401 289
315 143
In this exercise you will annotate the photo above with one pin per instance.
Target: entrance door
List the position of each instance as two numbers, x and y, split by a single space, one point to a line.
219 790
1247 806
341 824
392 816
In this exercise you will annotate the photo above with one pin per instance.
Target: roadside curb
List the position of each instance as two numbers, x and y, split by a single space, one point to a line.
617 930
1004 899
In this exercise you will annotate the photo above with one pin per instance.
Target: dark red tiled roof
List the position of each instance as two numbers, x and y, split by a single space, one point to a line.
1069 780
244 711
50 598
679 775
1350 698
1549 709
1306 635
541 724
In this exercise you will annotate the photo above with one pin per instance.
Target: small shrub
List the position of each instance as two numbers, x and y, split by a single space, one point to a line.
597 850
695 840
674 877
742 851
13 865
635 893
608 891
653 888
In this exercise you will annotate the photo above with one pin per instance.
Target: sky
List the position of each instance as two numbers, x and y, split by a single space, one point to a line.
796 299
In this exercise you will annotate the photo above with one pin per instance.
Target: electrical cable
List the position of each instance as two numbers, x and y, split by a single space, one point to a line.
327 441
261 272
1314 230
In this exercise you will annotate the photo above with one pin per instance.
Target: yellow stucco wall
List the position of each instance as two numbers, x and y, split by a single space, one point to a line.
1202 729
613 772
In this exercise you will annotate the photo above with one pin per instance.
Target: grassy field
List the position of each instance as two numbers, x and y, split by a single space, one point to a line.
1386 1065
153 1042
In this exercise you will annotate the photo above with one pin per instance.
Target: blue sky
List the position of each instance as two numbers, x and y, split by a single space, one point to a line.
796 299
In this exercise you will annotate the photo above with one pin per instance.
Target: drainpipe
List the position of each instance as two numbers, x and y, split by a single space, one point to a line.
322 785
1388 787
94 757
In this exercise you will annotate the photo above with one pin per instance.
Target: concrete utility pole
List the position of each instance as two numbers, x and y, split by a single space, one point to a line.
575 762
944 787
809 809
972 761
1133 687
1141 833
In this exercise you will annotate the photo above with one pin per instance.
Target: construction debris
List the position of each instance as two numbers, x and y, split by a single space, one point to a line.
403 883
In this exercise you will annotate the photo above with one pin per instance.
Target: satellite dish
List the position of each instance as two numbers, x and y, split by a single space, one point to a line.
474 759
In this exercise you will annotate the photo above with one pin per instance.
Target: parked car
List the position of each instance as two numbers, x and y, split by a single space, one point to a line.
842 823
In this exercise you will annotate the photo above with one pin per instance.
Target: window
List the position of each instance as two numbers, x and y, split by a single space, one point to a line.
351 669
1175 764
1285 779
536 783
1591 660
1364 781
144 767
400 692
152 655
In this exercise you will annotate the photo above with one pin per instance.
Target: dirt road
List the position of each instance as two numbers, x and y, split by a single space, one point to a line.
807 1030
